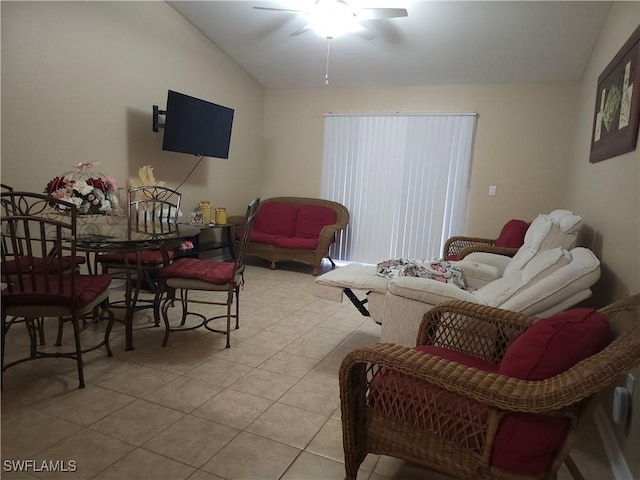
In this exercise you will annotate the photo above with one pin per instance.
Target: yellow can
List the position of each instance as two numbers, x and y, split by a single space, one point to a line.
205 207
221 215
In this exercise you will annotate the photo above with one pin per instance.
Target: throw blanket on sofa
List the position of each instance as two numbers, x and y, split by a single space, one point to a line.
439 270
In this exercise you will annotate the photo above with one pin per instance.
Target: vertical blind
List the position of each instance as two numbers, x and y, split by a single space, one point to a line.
404 179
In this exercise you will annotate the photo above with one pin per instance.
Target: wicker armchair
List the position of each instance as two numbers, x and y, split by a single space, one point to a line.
413 424
512 234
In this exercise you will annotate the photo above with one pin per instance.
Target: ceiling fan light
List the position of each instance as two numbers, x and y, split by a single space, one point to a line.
331 18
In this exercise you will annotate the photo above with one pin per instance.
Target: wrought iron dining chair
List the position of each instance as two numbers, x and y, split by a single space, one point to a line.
194 274
10 268
44 280
153 210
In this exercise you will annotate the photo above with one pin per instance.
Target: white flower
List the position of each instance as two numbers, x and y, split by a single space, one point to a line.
113 198
77 201
105 205
83 187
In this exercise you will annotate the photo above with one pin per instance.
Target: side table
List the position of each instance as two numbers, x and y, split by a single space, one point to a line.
199 246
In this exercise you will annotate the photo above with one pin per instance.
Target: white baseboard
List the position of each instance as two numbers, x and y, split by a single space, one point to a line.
617 462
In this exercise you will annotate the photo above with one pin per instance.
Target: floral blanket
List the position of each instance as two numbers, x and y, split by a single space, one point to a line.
439 270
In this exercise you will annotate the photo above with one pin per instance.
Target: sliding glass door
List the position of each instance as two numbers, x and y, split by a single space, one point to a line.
404 179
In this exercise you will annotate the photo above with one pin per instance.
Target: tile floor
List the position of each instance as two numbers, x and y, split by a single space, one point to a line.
267 408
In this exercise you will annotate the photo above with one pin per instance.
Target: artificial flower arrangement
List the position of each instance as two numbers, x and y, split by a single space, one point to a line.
91 192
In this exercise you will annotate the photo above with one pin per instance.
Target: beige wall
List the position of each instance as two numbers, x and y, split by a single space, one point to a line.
607 194
523 141
78 83
79 80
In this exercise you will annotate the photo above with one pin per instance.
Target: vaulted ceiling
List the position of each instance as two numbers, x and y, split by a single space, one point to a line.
438 43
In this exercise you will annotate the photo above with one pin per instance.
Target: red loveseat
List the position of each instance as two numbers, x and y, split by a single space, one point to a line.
295 229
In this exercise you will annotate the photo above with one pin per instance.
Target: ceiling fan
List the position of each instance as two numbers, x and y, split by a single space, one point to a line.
331 18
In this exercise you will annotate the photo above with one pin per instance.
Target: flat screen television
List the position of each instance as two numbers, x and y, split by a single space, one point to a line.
196 126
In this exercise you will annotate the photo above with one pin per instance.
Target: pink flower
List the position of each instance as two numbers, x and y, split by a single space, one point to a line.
113 185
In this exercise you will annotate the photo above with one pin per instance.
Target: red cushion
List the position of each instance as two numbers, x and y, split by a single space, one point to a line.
88 287
217 273
527 443
512 234
147 257
276 218
312 219
303 243
259 237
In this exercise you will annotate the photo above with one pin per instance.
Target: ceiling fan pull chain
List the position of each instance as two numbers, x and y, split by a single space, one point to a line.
326 74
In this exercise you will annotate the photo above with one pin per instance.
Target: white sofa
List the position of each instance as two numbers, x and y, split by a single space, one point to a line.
545 277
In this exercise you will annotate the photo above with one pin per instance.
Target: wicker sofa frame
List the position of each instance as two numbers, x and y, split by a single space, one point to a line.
309 257
368 430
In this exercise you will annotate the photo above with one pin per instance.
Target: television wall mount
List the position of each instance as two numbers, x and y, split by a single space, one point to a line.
156 113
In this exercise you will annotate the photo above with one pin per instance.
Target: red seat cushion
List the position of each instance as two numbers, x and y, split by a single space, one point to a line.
527 443
217 273
88 287
312 219
304 243
512 234
259 237
147 258
276 218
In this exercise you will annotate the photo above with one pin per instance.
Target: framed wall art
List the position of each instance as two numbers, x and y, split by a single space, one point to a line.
617 112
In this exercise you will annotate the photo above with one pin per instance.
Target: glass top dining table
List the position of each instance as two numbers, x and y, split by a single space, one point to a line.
93 230
113 234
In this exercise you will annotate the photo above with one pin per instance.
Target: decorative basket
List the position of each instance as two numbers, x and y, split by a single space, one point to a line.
92 192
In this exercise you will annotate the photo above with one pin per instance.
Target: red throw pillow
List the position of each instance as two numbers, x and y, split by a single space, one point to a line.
276 218
512 234
311 220
526 443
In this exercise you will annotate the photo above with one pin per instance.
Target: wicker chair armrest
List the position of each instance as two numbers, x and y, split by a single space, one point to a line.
327 234
454 244
506 251
496 391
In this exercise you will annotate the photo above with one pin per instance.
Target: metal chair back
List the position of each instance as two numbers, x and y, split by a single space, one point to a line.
246 229
38 249
153 209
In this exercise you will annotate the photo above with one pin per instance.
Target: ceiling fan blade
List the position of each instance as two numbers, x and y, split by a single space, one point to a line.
279 9
300 31
380 13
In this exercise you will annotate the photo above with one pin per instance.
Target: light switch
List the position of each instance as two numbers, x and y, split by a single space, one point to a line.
492 191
